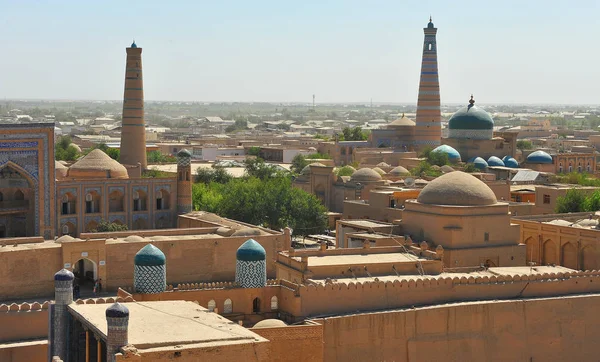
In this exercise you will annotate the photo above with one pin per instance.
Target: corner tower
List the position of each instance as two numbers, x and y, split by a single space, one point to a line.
428 131
133 131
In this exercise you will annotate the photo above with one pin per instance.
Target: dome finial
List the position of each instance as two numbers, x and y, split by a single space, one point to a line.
471 102
430 19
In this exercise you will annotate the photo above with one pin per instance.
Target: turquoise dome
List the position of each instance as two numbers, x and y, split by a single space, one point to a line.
133 45
511 162
505 158
453 154
539 157
479 163
64 275
149 255
495 161
471 122
251 250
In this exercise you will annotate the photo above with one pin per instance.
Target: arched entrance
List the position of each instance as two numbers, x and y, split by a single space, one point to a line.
86 273
17 203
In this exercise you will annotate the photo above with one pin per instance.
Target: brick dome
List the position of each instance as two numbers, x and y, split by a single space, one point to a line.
97 164
457 189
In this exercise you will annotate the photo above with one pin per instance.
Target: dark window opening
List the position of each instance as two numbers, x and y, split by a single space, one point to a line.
256 305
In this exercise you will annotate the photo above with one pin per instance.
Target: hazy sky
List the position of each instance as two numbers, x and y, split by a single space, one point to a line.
503 51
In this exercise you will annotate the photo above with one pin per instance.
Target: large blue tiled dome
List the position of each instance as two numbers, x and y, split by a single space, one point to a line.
149 255
453 154
251 250
495 161
511 162
471 122
539 157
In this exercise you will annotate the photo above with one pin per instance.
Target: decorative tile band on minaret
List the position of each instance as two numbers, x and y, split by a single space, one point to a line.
428 131
133 131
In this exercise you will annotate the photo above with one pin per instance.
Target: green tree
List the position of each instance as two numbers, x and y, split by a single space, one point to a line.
318 156
592 202
258 168
254 151
437 158
105 226
298 163
573 201
345 171
208 175
353 134
524 145
470 168
64 150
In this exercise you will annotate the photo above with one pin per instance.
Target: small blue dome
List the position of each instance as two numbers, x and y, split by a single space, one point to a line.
539 157
184 153
117 310
505 158
64 275
133 45
511 162
480 163
495 161
453 154
251 250
149 255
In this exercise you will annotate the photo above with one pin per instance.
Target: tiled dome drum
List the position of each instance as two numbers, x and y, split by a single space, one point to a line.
184 158
251 265
150 272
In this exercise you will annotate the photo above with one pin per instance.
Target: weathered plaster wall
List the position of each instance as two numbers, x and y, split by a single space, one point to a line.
24 352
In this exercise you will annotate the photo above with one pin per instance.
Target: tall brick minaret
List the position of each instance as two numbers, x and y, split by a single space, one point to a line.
133 132
428 131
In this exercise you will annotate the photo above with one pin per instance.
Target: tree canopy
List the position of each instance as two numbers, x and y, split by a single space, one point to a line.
271 202
576 200
298 163
208 175
524 145
105 226
64 150
353 134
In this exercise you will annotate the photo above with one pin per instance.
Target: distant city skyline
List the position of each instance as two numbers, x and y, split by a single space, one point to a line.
534 52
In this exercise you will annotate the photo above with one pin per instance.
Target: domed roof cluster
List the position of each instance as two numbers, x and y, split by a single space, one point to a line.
97 164
510 162
457 189
399 171
150 255
471 122
539 157
452 153
379 171
251 250
365 174
495 161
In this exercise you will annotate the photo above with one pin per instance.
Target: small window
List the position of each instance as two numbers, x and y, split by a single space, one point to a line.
227 307
65 229
430 46
212 305
274 303
486 237
256 305
546 199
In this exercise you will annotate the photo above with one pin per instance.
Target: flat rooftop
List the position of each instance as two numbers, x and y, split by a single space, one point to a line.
168 323
357 259
499 271
365 223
